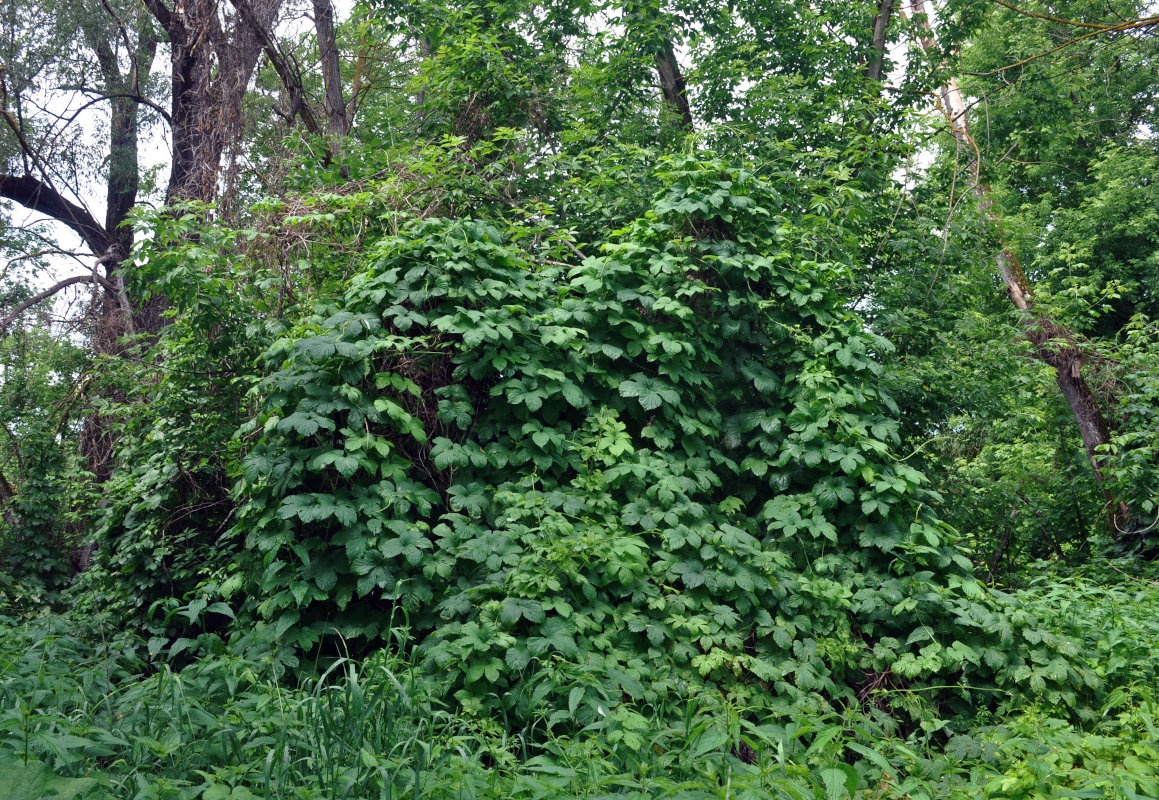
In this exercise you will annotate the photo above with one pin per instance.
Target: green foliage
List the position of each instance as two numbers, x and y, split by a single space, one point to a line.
222 727
45 494
1133 454
1069 157
1017 485
632 430
173 412
1108 612
32 780
83 714
1047 757
674 454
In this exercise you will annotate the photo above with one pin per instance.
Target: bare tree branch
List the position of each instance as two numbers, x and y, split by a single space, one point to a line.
33 255
288 74
103 96
124 31
39 297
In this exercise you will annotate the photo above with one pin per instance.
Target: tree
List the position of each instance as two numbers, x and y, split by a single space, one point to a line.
212 57
1052 340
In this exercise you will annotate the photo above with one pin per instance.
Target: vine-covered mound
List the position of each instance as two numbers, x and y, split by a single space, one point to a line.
664 464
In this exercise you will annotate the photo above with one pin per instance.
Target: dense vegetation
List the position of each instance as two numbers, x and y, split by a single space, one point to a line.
602 402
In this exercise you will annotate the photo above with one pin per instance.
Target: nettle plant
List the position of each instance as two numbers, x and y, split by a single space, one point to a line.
668 464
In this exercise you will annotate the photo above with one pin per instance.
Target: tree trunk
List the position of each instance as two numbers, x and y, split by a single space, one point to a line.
647 22
337 121
123 183
672 84
212 60
1000 551
287 70
875 65
212 63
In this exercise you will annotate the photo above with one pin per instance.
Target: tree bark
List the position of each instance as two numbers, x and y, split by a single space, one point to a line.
287 71
124 179
337 121
213 57
647 22
37 195
111 241
672 84
213 60
876 64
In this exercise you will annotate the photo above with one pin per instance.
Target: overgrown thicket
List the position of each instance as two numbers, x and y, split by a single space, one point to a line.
550 433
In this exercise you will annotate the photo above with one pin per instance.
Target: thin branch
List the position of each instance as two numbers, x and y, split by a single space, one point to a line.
356 82
17 126
47 293
290 79
141 100
1146 22
1048 18
120 26
69 401
32 256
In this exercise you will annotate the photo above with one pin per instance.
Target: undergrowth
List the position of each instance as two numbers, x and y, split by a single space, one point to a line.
86 714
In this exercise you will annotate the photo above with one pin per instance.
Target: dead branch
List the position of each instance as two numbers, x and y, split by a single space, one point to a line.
49 292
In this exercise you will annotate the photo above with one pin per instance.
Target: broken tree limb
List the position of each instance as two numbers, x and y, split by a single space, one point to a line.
1051 342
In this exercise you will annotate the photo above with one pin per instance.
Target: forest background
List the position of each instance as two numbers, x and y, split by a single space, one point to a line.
551 399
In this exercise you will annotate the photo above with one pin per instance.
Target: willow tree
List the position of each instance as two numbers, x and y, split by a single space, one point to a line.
77 85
